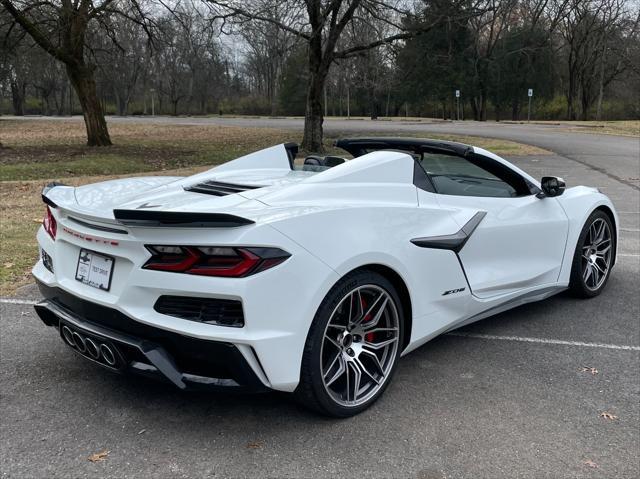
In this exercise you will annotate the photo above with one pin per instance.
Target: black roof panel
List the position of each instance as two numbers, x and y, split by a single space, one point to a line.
360 146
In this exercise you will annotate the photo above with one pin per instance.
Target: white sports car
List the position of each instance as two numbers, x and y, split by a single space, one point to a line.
312 279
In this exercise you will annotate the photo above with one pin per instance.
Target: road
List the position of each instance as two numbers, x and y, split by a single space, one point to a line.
507 398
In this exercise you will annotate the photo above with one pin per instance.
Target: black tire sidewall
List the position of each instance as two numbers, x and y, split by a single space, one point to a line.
311 364
576 284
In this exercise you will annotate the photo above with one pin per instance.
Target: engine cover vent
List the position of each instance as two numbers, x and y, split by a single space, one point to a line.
218 188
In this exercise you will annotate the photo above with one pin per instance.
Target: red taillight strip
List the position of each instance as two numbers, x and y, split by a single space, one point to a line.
247 263
192 260
50 224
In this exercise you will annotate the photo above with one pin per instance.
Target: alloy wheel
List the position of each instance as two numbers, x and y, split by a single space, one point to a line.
359 345
596 254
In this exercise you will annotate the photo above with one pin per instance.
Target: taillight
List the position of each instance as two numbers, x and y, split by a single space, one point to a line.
230 262
50 224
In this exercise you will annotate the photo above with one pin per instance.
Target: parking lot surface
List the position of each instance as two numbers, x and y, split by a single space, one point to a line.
510 396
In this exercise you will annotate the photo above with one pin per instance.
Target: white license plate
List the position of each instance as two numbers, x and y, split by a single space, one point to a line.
95 269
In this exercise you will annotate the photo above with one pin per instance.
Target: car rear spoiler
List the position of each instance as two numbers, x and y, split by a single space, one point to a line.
48 187
179 219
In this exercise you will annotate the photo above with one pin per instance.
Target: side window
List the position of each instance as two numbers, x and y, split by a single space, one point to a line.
455 175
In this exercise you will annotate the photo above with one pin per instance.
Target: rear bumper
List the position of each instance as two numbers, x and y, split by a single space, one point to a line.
186 362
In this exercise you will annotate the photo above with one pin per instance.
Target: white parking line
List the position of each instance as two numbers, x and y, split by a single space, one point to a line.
630 230
461 334
543 341
18 301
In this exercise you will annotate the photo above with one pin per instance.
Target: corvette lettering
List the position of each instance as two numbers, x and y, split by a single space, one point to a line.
89 239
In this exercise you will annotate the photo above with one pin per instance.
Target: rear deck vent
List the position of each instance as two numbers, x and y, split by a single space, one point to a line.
223 312
218 188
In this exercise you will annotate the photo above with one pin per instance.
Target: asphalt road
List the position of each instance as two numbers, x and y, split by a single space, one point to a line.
508 398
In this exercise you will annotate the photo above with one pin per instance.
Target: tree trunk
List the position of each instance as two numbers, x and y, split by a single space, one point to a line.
586 104
313 117
17 97
515 110
373 103
83 81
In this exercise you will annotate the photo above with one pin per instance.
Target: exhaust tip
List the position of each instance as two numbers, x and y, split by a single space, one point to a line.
108 355
92 348
79 343
67 334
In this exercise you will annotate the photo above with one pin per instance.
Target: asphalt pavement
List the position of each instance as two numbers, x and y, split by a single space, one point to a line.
505 397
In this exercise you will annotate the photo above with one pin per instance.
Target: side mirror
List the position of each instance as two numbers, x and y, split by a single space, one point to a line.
551 186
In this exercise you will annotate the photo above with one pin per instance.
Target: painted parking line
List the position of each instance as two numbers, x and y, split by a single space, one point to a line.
522 339
18 301
461 334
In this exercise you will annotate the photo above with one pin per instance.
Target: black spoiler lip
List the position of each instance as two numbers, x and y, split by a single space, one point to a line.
178 219
48 187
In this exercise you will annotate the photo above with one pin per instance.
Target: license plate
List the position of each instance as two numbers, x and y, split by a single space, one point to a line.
95 269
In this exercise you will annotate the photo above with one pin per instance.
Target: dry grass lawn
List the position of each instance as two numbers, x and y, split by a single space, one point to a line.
38 151
619 128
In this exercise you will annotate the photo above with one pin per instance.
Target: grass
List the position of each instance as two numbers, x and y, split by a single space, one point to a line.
619 127
52 149
38 151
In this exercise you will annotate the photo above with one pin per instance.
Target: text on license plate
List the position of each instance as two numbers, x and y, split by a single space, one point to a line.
95 269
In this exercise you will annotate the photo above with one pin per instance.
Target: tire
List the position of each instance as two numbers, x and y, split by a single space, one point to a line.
342 342
593 256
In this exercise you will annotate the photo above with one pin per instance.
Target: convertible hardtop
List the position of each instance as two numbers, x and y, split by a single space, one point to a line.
362 146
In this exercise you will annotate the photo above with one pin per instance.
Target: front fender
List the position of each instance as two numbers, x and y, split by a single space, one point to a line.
578 203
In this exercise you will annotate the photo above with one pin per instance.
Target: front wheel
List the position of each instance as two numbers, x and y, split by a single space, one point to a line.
593 257
352 347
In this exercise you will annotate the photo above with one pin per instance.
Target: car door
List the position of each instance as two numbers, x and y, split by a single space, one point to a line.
517 239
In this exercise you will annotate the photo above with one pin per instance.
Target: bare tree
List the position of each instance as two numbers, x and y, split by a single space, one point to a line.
62 28
594 45
320 24
268 47
121 56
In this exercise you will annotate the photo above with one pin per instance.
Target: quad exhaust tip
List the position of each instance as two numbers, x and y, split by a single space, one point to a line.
98 351
108 355
92 348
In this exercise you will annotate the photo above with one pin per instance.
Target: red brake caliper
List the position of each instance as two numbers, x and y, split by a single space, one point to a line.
369 336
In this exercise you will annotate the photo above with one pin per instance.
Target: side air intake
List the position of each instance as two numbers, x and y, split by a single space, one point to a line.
218 188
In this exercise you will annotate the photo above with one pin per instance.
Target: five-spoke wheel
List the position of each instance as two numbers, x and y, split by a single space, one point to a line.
593 256
360 345
353 345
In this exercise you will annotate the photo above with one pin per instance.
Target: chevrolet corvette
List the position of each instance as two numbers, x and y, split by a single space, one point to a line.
311 276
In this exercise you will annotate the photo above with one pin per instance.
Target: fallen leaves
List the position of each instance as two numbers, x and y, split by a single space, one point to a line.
608 415
591 464
587 369
254 445
99 456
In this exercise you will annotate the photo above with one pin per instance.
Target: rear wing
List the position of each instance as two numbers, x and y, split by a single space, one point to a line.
178 219
64 199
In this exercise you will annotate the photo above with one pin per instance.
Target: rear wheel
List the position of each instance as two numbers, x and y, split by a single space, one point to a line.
352 347
593 257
